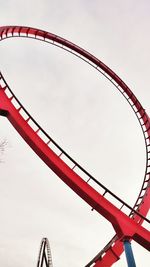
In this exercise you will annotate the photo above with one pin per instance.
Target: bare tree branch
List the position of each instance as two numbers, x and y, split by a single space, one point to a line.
3 145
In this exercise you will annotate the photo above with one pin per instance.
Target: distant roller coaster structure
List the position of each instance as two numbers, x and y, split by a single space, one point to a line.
45 257
127 226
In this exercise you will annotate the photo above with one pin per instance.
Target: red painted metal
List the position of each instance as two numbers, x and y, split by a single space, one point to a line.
125 226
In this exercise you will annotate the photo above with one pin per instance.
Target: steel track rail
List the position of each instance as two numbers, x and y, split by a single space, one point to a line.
141 207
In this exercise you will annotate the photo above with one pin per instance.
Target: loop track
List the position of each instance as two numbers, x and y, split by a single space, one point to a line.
69 170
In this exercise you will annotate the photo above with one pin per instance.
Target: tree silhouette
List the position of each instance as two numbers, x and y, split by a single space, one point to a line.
3 144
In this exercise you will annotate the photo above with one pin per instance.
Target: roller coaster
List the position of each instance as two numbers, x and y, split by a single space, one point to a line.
45 257
127 227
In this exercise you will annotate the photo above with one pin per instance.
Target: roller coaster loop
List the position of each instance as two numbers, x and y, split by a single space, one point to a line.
127 226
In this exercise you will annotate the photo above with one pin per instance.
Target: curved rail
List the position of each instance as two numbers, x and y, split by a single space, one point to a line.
45 254
141 207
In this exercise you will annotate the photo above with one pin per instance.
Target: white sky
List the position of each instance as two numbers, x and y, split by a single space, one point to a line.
83 113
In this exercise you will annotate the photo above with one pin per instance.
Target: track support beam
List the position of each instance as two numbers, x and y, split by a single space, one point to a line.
129 254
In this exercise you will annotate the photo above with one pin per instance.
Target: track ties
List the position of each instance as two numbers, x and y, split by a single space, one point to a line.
27 119
142 116
88 180
131 97
19 31
60 154
104 193
19 108
45 36
4 88
144 188
74 167
121 206
132 215
141 196
147 129
10 98
137 205
48 142
134 103
12 32
139 109
147 121
37 130
27 32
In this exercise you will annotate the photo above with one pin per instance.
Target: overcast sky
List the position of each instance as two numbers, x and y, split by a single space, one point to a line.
84 113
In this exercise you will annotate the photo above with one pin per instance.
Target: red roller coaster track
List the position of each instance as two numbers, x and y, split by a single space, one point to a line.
126 226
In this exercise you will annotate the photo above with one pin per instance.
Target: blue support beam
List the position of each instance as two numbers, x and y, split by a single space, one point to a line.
129 254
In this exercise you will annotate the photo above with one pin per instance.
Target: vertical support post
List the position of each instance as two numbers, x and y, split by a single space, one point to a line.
129 254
